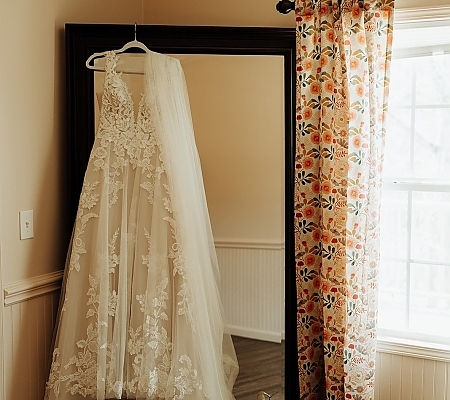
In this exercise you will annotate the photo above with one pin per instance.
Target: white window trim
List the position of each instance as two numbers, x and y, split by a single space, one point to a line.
404 18
408 16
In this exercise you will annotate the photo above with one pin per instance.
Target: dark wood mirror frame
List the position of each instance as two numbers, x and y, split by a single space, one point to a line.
82 40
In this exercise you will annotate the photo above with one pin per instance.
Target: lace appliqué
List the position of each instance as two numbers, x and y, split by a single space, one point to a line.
113 257
151 378
176 254
187 381
88 200
155 381
84 380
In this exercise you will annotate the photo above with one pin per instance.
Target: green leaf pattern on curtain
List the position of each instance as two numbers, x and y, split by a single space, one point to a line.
343 55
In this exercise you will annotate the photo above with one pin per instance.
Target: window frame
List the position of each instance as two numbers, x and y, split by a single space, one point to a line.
406 342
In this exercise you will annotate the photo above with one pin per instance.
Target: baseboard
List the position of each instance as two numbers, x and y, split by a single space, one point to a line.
267 336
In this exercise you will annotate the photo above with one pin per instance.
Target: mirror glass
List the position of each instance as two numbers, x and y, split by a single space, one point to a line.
238 112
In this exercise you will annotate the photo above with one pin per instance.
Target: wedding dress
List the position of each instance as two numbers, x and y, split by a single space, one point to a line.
140 314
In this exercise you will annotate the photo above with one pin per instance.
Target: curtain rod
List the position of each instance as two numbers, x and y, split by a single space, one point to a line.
285 6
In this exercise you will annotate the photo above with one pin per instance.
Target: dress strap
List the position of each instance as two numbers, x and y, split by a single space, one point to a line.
111 59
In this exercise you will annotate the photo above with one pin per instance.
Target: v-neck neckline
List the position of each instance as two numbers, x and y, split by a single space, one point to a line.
136 107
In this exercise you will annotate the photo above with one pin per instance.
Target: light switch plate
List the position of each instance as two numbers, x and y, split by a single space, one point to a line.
26 224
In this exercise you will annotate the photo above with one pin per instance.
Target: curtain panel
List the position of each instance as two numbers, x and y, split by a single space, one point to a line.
343 58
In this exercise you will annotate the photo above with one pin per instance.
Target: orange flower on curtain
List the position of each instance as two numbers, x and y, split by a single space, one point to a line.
343 55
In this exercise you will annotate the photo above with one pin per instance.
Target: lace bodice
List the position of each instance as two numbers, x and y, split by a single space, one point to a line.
118 123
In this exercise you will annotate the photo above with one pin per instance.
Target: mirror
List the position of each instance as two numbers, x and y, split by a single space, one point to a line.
241 87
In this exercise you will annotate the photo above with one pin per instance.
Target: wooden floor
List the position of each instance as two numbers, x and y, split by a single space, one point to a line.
261 368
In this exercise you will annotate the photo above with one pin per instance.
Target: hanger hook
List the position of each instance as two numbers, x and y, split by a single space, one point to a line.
135 31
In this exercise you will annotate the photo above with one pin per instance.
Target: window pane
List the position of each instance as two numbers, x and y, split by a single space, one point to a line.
397 159
432 143
400 90
432 83
430 231
430 299
417 39
414 284
392 296
393 228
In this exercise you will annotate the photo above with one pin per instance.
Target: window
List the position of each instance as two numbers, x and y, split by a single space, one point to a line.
414 286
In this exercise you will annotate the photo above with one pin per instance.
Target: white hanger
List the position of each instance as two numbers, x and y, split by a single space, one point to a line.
134 43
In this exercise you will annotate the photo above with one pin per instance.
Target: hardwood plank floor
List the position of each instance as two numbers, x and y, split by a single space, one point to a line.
261 368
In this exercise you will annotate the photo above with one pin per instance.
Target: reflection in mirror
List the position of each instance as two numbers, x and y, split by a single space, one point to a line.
237 106
238 114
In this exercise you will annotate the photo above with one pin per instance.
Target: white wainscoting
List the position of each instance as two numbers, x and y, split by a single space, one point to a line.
406 372
30 308
252 288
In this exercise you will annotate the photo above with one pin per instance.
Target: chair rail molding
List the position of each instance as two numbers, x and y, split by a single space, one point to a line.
26 289
249 244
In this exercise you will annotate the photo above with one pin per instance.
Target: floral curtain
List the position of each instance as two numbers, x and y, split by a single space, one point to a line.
343 57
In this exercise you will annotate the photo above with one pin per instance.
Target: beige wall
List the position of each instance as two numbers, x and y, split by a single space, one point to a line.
29 164
32 142
238 114
216 12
